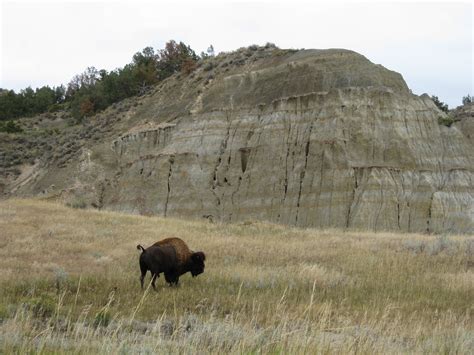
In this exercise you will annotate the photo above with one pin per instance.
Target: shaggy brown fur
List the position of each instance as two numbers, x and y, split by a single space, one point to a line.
181 248
187 259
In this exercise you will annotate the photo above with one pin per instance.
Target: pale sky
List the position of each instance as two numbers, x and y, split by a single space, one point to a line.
48 42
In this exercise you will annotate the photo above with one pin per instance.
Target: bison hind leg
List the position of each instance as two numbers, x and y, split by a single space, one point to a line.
153 281
142 277
143 269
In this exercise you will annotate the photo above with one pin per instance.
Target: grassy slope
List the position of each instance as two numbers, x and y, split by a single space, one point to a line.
266 287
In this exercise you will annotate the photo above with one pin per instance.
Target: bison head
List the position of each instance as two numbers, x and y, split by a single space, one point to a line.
197 263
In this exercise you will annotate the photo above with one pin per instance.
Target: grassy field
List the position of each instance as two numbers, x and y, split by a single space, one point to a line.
69 283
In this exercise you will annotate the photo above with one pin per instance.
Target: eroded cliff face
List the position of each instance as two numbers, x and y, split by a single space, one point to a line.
312 139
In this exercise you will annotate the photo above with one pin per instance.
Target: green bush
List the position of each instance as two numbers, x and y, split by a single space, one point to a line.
41 307
10 127
57 107
29 102
445 121
102 318
4 312
78 204
467 99
441 105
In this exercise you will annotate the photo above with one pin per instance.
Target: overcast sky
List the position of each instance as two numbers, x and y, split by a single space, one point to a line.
48 42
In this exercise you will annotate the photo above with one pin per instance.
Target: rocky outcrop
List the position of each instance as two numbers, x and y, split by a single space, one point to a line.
313 138
463 117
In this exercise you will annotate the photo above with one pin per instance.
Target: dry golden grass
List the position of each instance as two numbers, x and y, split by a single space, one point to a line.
69 283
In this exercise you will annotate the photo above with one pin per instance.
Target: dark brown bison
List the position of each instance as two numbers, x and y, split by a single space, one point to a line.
187 260
158 259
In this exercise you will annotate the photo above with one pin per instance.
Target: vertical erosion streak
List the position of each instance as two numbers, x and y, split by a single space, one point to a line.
222 149
352 202
170 171
398 214
428 221
381 206
285 185
286 165
303 173
399 191
244 157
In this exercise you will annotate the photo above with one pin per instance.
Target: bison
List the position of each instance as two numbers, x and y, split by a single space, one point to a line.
187 260
158 259
172 257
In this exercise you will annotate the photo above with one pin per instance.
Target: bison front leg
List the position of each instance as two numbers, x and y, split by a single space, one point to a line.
176 280
171 278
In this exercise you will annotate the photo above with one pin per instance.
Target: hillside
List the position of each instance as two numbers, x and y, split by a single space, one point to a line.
68 285
309 138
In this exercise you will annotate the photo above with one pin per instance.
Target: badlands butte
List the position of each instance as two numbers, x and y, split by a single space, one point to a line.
308 138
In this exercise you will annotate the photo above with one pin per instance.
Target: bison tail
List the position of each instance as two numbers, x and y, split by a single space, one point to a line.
139 247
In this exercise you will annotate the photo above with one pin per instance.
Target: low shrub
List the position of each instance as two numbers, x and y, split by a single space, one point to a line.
41 307
445 121
78 204
10 127
102 318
